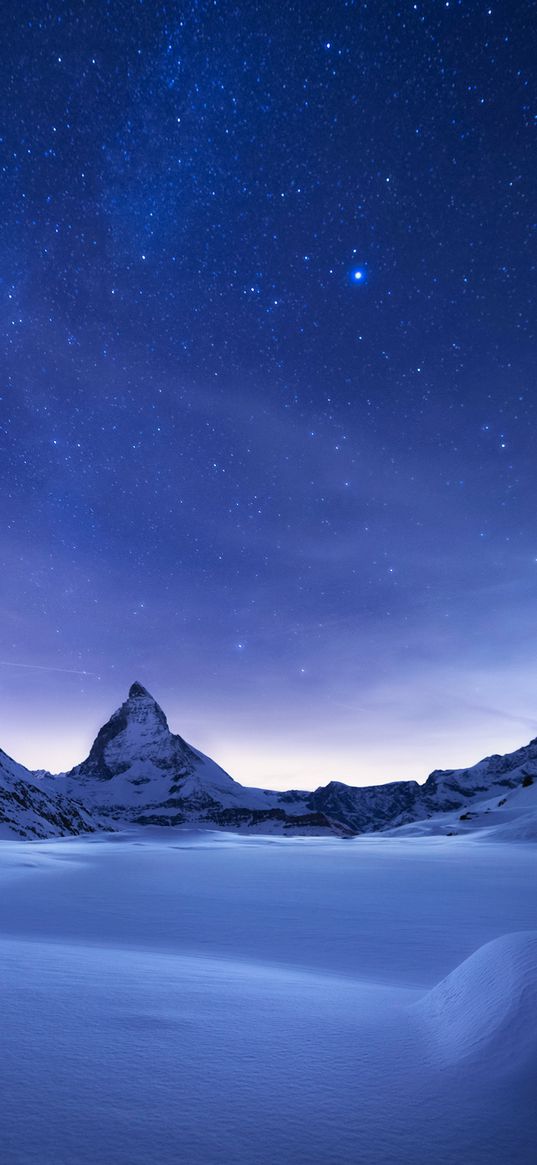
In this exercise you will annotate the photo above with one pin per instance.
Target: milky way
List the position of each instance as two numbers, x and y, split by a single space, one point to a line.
268 410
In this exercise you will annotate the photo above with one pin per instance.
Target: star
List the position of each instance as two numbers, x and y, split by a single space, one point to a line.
224 371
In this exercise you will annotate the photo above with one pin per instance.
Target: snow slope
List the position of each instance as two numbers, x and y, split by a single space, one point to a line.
486 1009
204 998
512 815
26 810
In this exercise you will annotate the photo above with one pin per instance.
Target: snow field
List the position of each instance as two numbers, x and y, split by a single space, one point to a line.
205 998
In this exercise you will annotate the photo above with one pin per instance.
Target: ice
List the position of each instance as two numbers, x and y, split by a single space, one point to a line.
206 998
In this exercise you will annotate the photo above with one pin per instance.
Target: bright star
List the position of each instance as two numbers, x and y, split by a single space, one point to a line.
358 275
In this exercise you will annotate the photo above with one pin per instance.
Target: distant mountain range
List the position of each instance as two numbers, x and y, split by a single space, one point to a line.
138 772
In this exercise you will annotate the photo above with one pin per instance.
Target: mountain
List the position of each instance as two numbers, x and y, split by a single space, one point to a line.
139 772
444 791
27 811
377 807
452 788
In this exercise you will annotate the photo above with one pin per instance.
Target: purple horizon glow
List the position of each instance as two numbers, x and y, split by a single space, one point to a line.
388 737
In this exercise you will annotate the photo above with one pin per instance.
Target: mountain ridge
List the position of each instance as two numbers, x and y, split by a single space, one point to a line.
138 772
30 811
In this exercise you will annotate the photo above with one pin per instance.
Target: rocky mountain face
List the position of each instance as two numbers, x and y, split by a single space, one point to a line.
27 811
454 788
369 808
139 772
401 802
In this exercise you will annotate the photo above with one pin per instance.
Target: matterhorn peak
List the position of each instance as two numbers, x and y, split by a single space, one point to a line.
137 733
141 705
137 691
138 769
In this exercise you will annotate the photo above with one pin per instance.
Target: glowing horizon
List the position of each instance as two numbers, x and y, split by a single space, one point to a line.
381 739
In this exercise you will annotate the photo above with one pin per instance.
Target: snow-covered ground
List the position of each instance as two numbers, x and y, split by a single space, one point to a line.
205 998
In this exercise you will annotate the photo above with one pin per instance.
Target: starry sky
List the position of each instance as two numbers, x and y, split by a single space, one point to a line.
268 415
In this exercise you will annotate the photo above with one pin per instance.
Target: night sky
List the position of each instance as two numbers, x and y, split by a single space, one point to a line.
268 413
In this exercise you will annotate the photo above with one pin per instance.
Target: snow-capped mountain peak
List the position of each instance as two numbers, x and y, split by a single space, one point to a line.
139 771
137 691
141 706
136 736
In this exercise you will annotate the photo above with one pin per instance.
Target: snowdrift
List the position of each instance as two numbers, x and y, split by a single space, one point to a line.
523 828
486 1008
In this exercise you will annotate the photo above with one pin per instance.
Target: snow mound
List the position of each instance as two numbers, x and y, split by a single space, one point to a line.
523 828
487 1007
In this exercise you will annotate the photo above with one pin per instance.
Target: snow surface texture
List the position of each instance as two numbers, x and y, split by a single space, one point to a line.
139 772
173 996
487 1007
